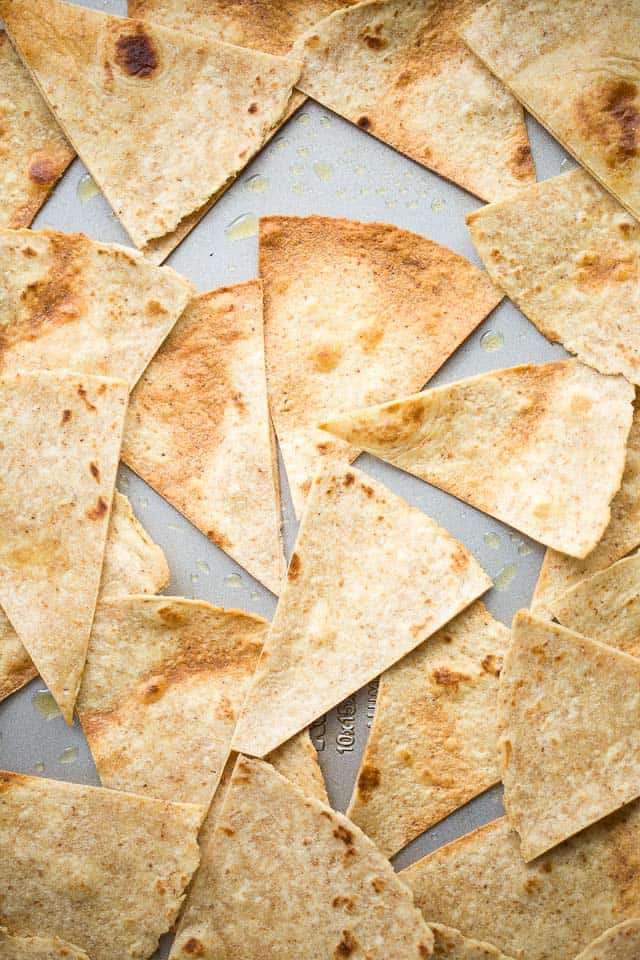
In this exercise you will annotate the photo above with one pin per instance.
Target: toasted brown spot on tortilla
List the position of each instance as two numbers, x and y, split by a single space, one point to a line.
594 270
446 677
82 393
253 108
367 490
155 309
294 566
342 833
522 162
193 947
171 616
66 416
136 53
347 946
492 664
94 470
326 359
349 478
374 42
99 510
152 692
343 903
379 884
43 170
364 123
219 539
609 112
368 779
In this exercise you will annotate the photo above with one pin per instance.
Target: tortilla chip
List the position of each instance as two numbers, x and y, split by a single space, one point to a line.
450 944
622 942
163 685
297 760
547 910
161 118
355 313
400 71
35 152
541 448
37 948
357 542
106 871
69 302
569 256
573 64
559 572
568 718
61 436
339 898
203 401
432 745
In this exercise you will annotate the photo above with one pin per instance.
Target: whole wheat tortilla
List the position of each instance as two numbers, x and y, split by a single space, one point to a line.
573 64
432 745
203 402
339 896
560 572
569 732
161 118
622 942
370 578
541 448
163 685
34 152
450 944
399 70
355 313
546 910
297 760
67 302
569 255
106 871
37 948
61 436
133 563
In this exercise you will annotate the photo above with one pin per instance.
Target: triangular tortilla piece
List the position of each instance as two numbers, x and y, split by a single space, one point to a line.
572 63
37 948
432 745
106 871
568 718
560 572
163 685
396 69
569 256
297 760
203 401
541 448
622 942
161 118
338 896
133 563
450 944
35 152
605 606
355 313
68 302
61 436
546 910
370 578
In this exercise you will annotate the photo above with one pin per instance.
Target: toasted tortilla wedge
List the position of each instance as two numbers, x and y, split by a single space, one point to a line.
35 152
560 572
112 868
203 401
356 540
113 85
163 685
37 948
355 313
568 718
396 68
569 255
432 745
450 944
67 302
61 436
541 448
573 64
622 942
546 910
297 760
341 897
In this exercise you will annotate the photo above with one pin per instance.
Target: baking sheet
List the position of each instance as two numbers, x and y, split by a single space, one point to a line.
317 163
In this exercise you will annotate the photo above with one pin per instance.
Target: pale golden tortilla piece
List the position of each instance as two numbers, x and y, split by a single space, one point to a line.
106 871
569 732
161 118
622 942
399 70
546 910
68 302
569 256
339 896
61 436
297 760
163 685
450 944
203 402
574 66
432 745
355 313
370 578
133 563
37 948
34 152
541 448
560 572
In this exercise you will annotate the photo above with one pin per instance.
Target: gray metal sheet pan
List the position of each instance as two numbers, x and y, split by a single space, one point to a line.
317 163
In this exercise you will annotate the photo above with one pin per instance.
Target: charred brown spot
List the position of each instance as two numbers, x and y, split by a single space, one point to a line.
99 510
449 678
94 470
294 567
342 833
349 479
253 108
82 393
610 112
347 946
43 171
379 884
193 947
492 664
136 53
425 951
522 162
343 903
66 416
374 42
364 123
152 692
368 779
29 252
367 490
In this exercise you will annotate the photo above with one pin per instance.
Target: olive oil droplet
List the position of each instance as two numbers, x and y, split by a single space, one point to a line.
233 580
257 184
324 171
69 755
45 705
505 578
492 341
492 540
87 188
243 227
